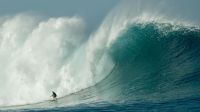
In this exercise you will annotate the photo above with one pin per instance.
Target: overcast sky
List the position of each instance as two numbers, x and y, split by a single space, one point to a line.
92 11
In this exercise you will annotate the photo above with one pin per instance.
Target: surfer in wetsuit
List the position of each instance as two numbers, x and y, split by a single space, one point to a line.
54 95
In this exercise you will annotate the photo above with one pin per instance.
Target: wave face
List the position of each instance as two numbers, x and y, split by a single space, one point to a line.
154 62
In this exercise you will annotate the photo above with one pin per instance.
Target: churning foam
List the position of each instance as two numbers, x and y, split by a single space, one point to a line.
36 58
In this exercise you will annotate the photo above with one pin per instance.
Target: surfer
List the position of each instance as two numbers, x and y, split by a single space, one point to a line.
54 95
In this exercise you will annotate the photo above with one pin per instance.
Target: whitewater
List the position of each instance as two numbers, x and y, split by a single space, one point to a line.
141 58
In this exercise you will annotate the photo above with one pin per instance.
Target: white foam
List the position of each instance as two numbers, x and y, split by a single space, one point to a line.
34 54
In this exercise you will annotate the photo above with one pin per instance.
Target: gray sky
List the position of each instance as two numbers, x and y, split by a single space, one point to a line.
92 11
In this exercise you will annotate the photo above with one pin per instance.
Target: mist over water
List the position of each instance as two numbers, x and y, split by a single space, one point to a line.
141 50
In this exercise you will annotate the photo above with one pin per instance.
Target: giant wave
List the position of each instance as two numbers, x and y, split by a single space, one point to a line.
138 58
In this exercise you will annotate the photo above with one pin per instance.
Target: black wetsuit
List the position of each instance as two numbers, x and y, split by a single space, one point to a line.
54 94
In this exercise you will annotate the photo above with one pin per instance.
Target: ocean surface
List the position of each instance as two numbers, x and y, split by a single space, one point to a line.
186 105
130 64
